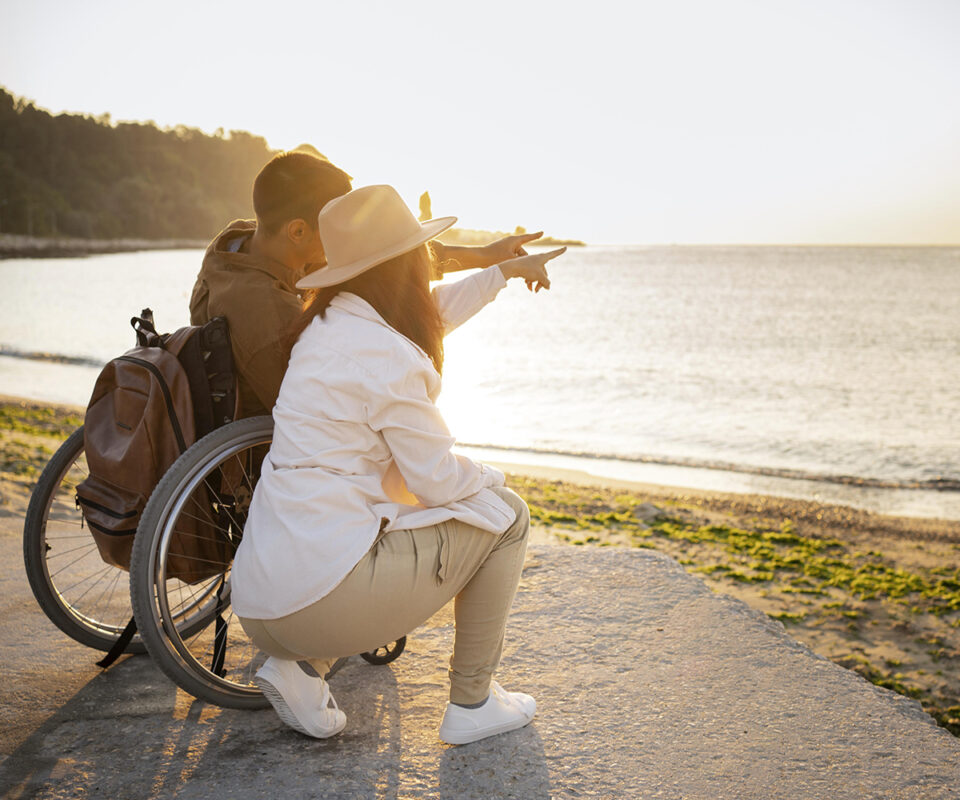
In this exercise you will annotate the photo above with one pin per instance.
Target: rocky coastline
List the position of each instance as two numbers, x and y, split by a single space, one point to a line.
18 246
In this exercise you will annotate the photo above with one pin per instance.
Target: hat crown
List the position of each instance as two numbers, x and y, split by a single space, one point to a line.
364 228
364 222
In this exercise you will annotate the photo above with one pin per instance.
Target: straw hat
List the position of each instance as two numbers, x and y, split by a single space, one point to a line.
364 228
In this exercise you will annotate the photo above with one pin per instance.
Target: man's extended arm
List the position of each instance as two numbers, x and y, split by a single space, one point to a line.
454 257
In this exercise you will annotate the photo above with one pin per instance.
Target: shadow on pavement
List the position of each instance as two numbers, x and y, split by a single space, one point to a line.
129 733
512 765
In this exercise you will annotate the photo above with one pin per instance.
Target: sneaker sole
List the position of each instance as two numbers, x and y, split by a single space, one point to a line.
286 713
466 737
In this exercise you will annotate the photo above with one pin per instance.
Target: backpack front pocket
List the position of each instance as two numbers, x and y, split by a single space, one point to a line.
113 514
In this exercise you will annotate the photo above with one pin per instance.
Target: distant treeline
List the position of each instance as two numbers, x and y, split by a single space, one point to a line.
73 175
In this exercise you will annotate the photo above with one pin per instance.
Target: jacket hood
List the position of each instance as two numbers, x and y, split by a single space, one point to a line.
220 255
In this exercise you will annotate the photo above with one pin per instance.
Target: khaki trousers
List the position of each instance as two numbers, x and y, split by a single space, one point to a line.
403 580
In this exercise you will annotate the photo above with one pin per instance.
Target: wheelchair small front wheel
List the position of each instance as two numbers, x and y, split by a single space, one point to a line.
385 654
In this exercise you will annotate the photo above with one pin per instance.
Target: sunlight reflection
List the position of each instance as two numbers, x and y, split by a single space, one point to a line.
184 746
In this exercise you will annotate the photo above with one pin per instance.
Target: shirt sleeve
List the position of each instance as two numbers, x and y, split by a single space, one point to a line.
459 301
420 443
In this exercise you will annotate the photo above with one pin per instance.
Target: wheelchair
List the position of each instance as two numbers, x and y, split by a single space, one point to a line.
188 629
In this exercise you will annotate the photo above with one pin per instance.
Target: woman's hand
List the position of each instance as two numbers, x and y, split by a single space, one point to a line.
532 268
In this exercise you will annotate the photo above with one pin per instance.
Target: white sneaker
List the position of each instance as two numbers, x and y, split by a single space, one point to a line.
303 702
504 711
525 702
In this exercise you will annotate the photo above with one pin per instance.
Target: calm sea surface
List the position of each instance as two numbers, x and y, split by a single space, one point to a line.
820 372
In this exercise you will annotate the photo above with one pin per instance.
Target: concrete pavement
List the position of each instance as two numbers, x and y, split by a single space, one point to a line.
648 684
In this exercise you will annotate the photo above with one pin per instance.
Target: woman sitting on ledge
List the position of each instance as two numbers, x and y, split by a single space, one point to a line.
364 523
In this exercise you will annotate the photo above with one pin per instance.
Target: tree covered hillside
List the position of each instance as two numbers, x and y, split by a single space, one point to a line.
73 175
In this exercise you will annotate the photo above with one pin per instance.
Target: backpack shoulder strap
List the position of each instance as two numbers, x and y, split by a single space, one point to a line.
173 342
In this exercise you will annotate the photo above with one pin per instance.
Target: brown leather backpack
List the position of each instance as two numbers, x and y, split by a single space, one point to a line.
148 406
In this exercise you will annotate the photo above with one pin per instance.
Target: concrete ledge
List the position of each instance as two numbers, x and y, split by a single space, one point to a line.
649 685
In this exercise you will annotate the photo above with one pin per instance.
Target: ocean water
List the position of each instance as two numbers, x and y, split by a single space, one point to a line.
826 372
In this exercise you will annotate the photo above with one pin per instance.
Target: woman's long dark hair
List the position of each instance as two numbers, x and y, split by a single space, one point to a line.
399 291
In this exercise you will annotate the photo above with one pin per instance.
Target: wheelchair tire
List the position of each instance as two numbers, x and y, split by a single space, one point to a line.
82 595
190 630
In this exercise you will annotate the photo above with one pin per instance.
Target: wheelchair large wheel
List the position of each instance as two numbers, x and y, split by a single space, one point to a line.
84 597
190 629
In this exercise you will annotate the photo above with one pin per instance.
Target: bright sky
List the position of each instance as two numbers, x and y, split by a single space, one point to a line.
642 121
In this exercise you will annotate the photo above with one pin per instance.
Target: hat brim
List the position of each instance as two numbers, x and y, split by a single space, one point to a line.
332 275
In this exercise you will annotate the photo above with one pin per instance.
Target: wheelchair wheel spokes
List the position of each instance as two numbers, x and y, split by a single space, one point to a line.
181 595
82 595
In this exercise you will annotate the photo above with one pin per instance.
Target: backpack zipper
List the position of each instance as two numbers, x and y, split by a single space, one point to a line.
108 532
105 510
166 396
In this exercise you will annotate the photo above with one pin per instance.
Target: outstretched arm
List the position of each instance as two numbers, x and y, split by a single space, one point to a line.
459 301
453 257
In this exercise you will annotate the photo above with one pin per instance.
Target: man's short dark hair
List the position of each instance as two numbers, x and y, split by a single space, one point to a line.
295 185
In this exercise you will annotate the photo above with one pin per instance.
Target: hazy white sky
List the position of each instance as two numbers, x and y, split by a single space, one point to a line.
665 121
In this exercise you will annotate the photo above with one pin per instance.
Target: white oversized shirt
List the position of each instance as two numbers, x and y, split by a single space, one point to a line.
358 443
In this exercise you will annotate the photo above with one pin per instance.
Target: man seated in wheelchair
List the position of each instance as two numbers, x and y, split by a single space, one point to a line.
364 521
251 268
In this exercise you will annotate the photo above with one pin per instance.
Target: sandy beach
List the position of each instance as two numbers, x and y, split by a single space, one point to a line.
876 594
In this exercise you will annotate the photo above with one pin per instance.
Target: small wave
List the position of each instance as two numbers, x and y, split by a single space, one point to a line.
932 484
53 358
